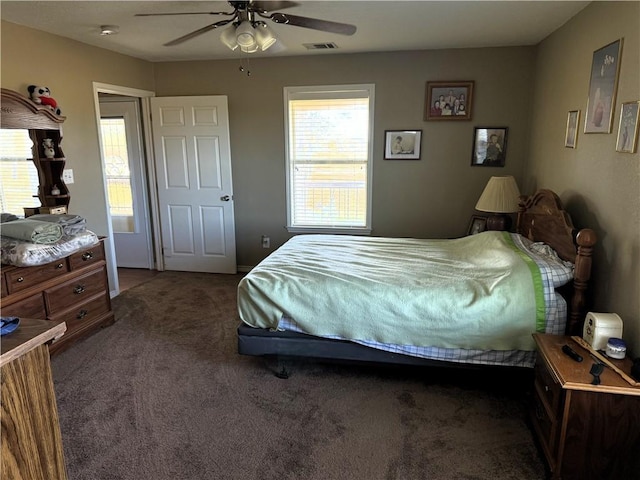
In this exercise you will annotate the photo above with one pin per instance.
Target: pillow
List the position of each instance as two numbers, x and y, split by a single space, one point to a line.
557 271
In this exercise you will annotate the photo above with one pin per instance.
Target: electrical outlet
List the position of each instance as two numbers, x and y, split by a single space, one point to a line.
266 242
67 176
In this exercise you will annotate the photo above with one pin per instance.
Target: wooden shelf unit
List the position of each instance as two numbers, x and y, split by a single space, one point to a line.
19 112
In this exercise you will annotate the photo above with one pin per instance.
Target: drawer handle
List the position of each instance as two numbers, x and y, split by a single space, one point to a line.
81 314
20 279
59 266
79 289
87 256
546 388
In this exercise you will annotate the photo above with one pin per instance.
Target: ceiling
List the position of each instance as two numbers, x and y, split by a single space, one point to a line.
382 25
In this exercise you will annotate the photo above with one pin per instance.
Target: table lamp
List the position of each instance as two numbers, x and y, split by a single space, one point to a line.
500 197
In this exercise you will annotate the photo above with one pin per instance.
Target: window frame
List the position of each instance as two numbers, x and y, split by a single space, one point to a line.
329 92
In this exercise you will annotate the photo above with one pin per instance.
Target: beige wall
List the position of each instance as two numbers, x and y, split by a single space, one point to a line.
601 188
433 197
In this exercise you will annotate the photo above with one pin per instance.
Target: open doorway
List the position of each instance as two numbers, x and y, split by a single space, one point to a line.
126 180
133 256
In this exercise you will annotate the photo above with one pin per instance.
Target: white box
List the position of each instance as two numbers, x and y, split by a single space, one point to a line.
600 327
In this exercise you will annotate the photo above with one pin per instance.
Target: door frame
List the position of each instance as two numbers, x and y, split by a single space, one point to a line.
147 144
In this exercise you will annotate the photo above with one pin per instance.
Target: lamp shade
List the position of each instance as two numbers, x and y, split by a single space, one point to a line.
246 35
228 37
264 36
499 196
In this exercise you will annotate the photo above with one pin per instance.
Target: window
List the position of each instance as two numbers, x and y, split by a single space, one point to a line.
117 174
329 156
18 174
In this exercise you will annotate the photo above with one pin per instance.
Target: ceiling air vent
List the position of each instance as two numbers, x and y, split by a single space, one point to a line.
320 46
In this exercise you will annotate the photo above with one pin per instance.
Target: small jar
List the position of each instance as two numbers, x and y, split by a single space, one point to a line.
616 348
55 190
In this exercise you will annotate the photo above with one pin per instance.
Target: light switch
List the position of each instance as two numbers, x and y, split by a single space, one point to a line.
67 176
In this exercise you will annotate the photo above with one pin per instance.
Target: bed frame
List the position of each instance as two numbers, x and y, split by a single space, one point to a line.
541 218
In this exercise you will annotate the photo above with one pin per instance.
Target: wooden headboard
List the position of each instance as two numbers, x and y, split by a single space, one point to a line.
542 219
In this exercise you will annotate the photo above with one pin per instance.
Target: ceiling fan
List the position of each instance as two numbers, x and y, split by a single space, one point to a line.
248 31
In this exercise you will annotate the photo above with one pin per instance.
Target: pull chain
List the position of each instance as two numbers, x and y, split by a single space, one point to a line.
243 69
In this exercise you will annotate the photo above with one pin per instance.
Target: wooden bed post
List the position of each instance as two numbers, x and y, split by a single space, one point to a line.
585 239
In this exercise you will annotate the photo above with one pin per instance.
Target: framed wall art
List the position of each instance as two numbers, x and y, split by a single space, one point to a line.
571 135
402 144
478 224
489 146
605 67
449 100
628 127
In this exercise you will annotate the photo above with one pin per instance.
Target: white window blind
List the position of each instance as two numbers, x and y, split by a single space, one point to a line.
329 156
18 174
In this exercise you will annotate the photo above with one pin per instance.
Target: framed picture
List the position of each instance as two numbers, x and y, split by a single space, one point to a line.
571 136
605 67
448 101
628 127
402 144
478 224
489 147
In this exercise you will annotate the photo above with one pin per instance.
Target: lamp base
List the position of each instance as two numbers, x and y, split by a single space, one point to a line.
499 222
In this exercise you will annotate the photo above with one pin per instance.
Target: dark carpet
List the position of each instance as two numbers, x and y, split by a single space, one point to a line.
163 394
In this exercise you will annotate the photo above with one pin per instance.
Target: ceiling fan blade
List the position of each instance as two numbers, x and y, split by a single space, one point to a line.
198 32
182 13
314 23
271 6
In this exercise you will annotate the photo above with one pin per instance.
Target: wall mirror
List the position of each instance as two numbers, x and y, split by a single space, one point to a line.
31 157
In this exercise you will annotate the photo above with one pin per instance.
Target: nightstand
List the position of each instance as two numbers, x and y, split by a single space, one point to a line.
585 431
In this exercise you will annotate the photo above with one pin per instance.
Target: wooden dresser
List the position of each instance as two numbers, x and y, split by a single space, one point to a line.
73 290
587 432
31 439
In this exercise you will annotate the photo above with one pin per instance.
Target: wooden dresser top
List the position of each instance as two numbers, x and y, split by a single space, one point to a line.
572 375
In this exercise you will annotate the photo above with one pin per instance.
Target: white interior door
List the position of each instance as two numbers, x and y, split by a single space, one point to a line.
126 185
195 191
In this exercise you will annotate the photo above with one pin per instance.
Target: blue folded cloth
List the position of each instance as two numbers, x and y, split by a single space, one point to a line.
8 324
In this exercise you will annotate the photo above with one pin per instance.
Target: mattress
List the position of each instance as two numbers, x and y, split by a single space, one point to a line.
361 257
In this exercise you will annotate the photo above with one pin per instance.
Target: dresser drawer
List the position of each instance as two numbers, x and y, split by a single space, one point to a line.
75 291
31 307
543 420
85 313
86 257
549 390
21 278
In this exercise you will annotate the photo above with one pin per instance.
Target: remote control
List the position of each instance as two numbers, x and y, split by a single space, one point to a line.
571 353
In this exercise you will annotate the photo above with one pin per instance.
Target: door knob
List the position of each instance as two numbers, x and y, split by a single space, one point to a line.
226 198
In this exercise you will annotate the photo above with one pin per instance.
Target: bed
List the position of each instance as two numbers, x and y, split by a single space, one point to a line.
474 300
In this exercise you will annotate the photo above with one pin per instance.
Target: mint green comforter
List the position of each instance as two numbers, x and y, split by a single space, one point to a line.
476 292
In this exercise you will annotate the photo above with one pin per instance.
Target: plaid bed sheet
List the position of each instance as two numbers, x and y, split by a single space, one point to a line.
555 311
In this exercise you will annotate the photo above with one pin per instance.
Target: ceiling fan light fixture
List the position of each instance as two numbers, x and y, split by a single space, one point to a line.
228 37
264 36
246 36
250 49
